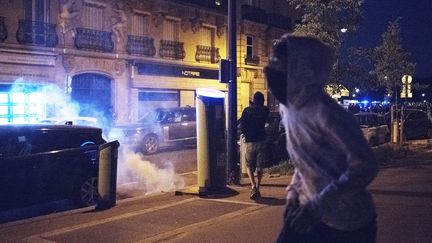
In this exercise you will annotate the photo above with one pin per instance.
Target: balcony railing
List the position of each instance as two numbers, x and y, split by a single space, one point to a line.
210 4
3 30
252 60
279 21
95 40
172 49
140 45
36 33
207 54
254 14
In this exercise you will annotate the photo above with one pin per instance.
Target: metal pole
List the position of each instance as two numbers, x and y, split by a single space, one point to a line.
233 165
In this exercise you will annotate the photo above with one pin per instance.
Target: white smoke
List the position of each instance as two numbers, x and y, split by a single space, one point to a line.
133 169
147 177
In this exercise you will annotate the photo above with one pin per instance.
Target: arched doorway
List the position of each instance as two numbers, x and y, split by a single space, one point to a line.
93 93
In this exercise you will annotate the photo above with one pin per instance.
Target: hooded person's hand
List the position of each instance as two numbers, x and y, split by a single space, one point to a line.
305 217
291 206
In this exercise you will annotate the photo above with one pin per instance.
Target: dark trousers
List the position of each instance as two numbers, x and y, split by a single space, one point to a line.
324 234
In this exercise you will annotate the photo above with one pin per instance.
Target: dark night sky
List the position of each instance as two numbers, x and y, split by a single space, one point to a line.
416 28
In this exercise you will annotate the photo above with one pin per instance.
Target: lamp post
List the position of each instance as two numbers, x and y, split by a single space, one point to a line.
233 167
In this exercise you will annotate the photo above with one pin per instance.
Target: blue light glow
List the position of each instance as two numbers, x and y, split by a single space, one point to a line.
365 102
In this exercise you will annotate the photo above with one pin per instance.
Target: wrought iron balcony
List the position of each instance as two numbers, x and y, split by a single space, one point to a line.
36 33
279 21
140 45
252 60
253 14
3 30
221 5
207 54
94 40
172 49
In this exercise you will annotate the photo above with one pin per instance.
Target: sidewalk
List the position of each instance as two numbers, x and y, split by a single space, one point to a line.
164 217
403 196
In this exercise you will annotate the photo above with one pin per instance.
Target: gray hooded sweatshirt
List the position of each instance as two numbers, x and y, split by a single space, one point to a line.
333 162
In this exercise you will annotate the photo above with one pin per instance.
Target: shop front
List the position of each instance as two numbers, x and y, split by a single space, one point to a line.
168 85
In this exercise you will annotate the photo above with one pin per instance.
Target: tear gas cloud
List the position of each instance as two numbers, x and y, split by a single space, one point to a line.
54 105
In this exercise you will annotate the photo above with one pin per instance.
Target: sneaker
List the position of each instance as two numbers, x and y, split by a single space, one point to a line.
254 193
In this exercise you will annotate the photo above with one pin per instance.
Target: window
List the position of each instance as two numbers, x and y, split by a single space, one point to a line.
151 99
35 10
19 107
206 37
92 16
140 24
171 30
249 46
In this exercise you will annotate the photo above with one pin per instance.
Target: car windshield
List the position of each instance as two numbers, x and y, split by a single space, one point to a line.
156 116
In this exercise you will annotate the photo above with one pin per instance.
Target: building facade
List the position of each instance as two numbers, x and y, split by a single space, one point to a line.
118 59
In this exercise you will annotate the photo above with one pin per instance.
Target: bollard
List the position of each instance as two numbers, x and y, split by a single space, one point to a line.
395 132
107 179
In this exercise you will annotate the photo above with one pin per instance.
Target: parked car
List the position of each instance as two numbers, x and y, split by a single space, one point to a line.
374 127
276 139
417 124
75 120
41 163
163 127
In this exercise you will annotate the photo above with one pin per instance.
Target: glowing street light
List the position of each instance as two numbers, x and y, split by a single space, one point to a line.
343 30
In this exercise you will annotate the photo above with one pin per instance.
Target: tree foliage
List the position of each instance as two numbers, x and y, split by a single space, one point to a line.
389 60
325 18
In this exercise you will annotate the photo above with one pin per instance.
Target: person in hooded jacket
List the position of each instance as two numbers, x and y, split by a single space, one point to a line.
327 200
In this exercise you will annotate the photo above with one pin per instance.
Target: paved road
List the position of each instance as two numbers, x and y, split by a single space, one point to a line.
144 173
403 196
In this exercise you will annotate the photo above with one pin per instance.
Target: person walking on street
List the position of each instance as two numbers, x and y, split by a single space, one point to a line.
327 200
252 125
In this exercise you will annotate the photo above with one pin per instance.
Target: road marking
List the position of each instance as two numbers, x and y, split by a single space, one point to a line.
230 201
39 238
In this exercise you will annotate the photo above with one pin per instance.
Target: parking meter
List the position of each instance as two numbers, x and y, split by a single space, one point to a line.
211 145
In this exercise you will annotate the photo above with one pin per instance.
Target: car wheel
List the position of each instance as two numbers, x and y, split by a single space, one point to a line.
88 194
372 141
150 144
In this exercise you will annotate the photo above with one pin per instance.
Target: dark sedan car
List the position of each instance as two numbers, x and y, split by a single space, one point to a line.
42 163
416 124
164 127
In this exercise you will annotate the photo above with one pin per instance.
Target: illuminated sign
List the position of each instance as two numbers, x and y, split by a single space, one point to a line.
191 73
176 71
